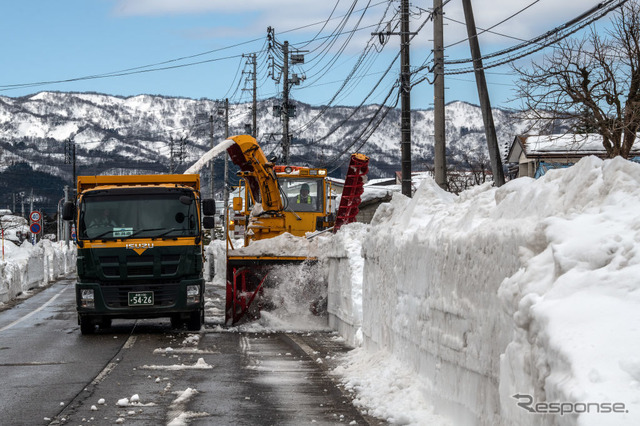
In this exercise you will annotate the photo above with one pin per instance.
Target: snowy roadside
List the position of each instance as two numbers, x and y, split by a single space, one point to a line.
28 268
515 305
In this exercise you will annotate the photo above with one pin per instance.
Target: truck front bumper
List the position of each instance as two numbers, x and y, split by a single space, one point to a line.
156 299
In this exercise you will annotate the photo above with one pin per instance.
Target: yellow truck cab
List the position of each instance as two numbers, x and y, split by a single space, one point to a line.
139 244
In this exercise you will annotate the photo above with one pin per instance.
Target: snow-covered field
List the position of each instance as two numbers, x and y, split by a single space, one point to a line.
501 306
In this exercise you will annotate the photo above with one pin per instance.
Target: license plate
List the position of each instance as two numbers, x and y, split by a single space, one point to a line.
141 298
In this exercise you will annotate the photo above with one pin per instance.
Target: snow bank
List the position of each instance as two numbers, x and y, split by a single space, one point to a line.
283 245
343 254
27 266
433 267
575 301
530 289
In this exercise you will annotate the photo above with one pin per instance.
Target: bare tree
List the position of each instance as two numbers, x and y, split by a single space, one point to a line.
592 82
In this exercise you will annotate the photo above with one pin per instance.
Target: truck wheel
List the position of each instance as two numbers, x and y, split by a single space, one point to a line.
86 325
176 321
195 321
105 323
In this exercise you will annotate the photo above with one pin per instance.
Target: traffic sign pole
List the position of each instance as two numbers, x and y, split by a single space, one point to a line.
36 227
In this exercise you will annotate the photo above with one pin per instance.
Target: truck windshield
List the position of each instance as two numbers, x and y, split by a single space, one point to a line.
121 214
303 195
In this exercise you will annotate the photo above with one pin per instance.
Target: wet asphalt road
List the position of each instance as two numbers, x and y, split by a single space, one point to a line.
145 373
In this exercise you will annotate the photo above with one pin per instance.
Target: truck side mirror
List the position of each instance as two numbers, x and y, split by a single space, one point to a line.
237 204
186 200
209 207
68 210
208 222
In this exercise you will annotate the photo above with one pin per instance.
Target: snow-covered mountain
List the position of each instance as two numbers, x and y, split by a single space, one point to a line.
138 135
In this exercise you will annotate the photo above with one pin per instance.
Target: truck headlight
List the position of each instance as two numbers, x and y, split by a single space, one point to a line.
87 298
193 294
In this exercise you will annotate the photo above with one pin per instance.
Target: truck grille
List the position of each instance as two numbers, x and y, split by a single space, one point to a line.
139 266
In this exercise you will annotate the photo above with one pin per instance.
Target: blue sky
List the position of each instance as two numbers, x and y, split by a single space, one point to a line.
48 41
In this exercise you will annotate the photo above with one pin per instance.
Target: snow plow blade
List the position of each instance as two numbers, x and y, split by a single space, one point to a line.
247 278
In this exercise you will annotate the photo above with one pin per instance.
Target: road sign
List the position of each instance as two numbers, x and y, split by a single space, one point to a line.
35 228
34 216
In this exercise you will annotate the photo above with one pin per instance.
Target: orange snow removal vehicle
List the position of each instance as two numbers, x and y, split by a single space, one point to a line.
279 201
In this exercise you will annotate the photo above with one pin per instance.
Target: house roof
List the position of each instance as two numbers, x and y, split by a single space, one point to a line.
555 145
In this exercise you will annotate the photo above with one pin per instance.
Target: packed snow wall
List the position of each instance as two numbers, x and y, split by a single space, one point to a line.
433 268
27 266
343 254
530 289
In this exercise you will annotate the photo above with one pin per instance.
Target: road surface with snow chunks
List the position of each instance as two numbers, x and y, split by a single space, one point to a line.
143 372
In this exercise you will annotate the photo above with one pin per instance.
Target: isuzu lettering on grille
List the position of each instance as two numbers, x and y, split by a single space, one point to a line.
134 246
139 247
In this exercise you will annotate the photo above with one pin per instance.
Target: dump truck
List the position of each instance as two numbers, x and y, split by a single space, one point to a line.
279 200
140 249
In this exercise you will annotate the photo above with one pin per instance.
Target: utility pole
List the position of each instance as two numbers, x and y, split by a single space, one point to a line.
171 153
285 103
405 99
75 183
483 94
285 110
66 223
71 156
177 153
211 163
255 98
225 189
439 160
405 95
226 118
254 108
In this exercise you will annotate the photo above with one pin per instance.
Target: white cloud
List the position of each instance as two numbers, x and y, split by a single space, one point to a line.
248 19
171 7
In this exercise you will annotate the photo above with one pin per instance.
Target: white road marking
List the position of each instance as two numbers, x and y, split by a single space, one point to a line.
113 364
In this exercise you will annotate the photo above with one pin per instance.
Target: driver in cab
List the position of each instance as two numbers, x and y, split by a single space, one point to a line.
104 219
304 197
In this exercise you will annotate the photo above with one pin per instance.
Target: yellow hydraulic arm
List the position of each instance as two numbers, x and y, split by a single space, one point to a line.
258 172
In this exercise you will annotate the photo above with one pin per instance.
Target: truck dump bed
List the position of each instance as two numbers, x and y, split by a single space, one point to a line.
88 182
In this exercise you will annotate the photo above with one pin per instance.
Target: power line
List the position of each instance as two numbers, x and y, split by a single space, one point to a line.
153 67
531 46
368 128
113 74
493 26
545 40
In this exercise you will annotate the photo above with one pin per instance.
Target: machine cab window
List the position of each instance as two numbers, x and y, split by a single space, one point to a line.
303 195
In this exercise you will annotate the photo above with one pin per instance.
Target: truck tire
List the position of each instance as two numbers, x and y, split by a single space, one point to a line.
176 321
86 325
195 321
105 323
